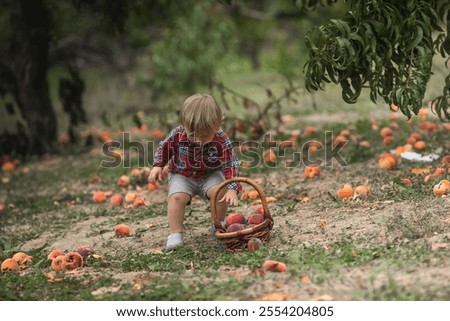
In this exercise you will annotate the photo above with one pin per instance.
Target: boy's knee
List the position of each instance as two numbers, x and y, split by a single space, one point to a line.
182 198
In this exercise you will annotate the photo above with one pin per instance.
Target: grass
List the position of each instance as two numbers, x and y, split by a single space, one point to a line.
206 282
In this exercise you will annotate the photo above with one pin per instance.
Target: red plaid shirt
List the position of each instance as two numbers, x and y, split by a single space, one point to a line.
192 160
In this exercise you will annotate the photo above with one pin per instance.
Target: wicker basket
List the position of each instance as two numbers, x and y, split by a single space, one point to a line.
237 241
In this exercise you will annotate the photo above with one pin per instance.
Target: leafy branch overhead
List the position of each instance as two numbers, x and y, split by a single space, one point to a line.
384 45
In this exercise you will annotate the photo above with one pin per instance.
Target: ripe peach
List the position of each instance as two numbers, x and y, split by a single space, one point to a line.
116 200
130 197
442 188
406 182
57 263
310 131
364 144
122 230
235 227
255 219
8 166
388 140
123 181
422 113
152 187
135 172
269 156
340 141
386 131
446 160
99 197
72 260
252 194
9 265
259 210
254 243
345 192
419 145
22 258
312 171
234 218
387 161
274 266
84 250
361 190
54 254
138 202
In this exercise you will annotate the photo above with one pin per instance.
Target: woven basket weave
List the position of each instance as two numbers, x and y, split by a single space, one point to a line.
237 241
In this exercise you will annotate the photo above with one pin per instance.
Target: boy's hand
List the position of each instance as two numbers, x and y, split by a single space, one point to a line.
155 174
230 197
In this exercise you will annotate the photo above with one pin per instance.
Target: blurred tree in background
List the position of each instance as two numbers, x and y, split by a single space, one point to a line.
374 45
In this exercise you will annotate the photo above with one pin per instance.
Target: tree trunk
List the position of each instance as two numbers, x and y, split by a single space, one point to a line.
31 23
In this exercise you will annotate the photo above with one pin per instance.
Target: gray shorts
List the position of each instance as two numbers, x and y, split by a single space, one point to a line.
188 185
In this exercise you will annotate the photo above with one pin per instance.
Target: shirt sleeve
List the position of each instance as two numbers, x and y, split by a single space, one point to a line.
165 150
230 163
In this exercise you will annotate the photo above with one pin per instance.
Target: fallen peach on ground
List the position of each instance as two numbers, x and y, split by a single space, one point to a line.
122 230
274 266
9 265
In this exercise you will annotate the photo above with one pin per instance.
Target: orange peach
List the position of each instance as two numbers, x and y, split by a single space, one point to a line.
364 144
362 190
269 156
312 171
8 166
152 187
130 197
441 188
99 197
9 265
72 261
84 250
253 194
122 230
340 141
387 161
446 160
274 266
57 263
406 182
419 145
386 131
138 202
123 181
116 200
345 133
22 258
54 254
255 219
259 210
388 140
234 218
254 243
345 192
310 131
235 227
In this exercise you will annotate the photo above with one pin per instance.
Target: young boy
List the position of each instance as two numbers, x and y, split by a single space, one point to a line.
198 156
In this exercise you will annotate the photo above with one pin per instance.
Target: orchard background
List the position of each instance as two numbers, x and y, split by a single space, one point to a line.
87 87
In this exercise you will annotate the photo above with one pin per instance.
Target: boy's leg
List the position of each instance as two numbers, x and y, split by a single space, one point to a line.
176 208
221 206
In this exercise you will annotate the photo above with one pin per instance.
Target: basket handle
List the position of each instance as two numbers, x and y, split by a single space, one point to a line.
215 194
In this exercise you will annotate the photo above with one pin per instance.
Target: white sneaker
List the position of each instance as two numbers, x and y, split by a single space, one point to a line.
174 240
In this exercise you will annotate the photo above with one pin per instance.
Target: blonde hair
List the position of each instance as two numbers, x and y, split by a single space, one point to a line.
201 114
